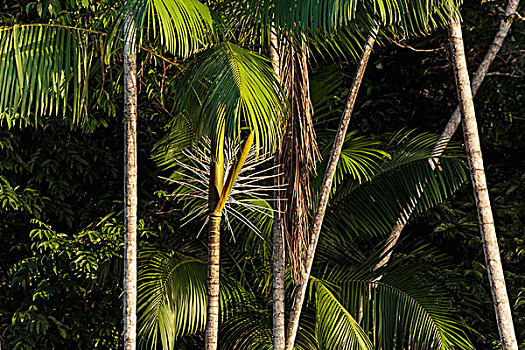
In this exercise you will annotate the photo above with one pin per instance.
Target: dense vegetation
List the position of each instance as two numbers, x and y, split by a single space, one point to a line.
61 226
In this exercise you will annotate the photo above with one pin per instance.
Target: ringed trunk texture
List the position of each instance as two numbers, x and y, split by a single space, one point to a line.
481 193
279 259
317 222
212 316
211 337
455 119
130 191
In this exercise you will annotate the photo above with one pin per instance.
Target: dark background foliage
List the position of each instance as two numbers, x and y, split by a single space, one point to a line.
61 185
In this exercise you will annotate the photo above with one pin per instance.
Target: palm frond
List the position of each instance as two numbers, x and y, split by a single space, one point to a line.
394 304
335 327
359 159
231 88
183 27
329 15
400 318
44 72
373 207
172 297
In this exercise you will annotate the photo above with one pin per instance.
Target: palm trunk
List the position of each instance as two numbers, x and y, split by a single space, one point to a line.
455 119
278 238
299 296
130 190
212 318
215 191
481 193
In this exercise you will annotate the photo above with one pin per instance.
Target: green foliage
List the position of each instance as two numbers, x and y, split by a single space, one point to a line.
373 207
78 269
44 72
229 88
183 27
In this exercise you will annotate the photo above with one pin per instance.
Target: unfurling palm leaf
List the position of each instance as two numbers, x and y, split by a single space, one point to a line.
231 88
247 204
43 72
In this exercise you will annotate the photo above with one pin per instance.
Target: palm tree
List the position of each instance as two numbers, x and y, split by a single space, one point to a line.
130 187
481 193
175 281
37 84
252 100
180 26
405 19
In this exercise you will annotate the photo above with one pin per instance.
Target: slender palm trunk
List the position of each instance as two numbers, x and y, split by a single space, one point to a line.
214 230
481 193
279 259
317 222
130 190
212 319
455 119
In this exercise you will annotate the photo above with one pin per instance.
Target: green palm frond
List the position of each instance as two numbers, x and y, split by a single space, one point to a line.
172 297
414 316
394 305
335 327
183 26
360 158
329 15
338 29
248 330
44 72
251 329
373 207
231 88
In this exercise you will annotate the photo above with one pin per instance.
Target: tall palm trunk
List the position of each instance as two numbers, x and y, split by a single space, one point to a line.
455 119
295 313
214 240
279 258
130 189
481 193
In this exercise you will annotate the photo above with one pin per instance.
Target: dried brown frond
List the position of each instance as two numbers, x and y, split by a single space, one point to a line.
298 152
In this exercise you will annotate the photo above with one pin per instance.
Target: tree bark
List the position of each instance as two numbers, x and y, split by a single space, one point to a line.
279 259
317 222
212 316
455 119
481 193
130 189
211 337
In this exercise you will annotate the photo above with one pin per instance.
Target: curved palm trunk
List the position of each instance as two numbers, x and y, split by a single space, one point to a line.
455 119
481 193
130 190
212 318
299 296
